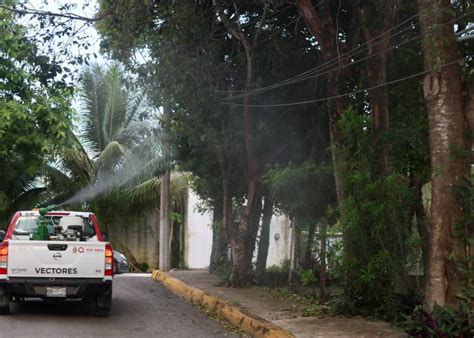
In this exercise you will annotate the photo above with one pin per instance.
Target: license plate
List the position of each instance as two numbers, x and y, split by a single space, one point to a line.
55 291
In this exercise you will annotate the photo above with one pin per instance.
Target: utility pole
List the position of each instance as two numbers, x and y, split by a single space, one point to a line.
165 204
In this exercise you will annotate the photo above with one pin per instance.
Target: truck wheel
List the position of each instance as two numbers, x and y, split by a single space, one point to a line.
103 304
4 310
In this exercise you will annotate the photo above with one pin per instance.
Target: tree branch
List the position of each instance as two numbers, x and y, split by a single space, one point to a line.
262 22
67 15
238 34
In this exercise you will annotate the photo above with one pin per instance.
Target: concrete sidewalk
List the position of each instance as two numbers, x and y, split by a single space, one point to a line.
288 313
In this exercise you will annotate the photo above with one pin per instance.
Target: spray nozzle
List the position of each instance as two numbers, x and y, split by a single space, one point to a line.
45 210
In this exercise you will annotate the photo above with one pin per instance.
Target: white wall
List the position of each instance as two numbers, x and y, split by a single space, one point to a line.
198 234
198 237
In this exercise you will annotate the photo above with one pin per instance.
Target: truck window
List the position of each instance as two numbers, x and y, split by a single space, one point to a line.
26 225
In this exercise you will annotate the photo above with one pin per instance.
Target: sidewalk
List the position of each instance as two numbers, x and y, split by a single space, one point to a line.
285 312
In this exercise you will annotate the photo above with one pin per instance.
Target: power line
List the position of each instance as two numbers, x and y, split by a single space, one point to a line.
329 63
347 93
325 70
266 38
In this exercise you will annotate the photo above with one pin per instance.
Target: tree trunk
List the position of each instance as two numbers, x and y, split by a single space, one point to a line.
307 260
420 217
227 217
444 103
165 204
246 234
292 250
264 235
378 42
165 222
243 240
219 240
321 23
322 258
256 223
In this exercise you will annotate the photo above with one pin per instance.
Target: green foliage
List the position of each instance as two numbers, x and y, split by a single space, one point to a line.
223 270
35 113
283 267
118 174
464 233
304 191
375 219
335 260
307 277
441 322
176 217
194 64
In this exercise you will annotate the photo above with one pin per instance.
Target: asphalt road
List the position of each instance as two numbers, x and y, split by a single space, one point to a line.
141 308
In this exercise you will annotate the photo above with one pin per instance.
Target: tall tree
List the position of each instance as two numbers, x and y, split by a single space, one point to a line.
264 240
243 239
34 114
112 151
378 18
448 147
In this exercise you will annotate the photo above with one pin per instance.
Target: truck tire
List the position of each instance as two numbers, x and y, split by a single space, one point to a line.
4 302
102 311
103 304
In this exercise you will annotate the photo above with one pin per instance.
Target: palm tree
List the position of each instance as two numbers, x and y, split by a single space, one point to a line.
113 165
115 161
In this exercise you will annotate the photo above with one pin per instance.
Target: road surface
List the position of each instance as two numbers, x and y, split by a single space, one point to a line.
141 308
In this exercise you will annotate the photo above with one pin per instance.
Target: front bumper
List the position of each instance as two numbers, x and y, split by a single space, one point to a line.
36 287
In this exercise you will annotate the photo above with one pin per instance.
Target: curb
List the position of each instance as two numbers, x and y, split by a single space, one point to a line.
250 323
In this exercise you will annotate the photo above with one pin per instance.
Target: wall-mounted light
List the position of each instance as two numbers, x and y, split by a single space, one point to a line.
277 237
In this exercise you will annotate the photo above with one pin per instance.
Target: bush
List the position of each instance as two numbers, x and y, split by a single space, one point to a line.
307 277
442 322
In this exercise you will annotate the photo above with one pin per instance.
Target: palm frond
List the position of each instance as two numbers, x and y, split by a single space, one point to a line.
136 108
115 110
145 192
30 199
77 164
59 183
134 135
136 170
93 95
110 158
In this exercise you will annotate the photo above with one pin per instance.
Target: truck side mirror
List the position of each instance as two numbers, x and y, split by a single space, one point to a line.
2 235
105 236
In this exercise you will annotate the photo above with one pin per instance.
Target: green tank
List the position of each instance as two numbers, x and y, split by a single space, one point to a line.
41 233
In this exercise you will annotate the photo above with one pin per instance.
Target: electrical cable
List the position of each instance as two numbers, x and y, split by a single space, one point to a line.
323 71
263 40
308 74
347 93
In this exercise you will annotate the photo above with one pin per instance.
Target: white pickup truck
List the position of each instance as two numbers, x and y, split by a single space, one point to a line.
73 262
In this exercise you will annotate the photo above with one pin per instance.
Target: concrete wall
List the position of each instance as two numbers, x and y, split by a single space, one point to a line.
141 238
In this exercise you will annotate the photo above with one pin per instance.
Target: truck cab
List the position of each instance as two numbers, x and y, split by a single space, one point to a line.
70 260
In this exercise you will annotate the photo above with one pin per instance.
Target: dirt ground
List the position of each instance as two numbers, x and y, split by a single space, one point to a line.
289 313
